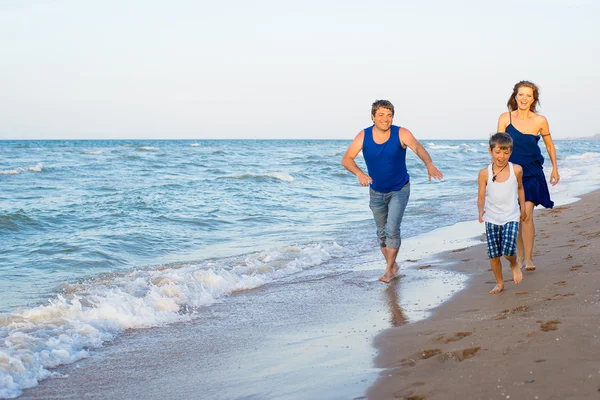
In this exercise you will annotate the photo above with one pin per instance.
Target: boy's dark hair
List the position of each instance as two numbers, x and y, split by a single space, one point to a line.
502 140
381 104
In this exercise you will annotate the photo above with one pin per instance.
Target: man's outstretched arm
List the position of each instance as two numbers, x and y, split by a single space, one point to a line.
407 138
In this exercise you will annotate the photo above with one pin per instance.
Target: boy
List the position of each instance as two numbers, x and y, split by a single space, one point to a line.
501 204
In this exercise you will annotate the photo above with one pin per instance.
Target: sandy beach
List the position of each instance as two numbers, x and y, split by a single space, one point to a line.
347 336
539 339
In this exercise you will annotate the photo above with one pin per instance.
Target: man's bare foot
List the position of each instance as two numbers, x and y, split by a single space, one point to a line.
497 289
529 266
517 274
388 276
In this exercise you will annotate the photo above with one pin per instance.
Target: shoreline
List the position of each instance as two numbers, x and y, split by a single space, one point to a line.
539 339
320 339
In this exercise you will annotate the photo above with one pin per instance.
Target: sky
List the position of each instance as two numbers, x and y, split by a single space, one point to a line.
309 69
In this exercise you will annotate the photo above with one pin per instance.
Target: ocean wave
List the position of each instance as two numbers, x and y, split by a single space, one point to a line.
16 171
147 148
584 156
14 221
282 176
92 153
194 144
88 314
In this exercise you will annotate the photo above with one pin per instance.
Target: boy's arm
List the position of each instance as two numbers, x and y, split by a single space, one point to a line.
349 163
407 138
482 183
521 192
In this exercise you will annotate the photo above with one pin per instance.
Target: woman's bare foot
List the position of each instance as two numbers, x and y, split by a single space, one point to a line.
517 274
520 262
497 289
529 266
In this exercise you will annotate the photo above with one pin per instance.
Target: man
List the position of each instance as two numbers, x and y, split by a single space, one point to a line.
384 148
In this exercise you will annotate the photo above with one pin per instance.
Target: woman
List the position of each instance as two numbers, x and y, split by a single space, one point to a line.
525 127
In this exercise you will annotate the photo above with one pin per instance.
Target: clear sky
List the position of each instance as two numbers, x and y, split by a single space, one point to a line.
147 69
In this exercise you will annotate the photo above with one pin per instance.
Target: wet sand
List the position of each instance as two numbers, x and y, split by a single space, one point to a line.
539 339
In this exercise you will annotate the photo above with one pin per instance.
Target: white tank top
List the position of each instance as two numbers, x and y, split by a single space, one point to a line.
502 199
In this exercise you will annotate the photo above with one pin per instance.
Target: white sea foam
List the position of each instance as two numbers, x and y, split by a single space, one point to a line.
88 314
584 156
147 148
194 144
440 146
16 171
467 148
92 153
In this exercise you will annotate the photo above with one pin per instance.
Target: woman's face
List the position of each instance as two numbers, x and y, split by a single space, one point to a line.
524 98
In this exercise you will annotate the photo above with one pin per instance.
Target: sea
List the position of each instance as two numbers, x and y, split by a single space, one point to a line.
99 238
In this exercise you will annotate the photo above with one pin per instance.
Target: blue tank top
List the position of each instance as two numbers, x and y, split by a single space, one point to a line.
386 162
525 147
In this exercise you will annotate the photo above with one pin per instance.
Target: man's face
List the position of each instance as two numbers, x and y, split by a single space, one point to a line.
383 119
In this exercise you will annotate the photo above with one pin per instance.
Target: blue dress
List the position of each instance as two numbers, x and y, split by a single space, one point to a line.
526 153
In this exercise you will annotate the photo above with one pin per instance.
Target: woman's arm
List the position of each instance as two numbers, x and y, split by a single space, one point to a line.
545 133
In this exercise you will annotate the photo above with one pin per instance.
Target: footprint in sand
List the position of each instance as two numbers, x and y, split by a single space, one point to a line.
457 336
559 296
550 325
430 353
408 393
462 354
459 250
575 267
504 313
592 236
561 283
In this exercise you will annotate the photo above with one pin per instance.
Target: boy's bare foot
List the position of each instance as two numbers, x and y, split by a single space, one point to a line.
517 274
497 289
529 266
388 276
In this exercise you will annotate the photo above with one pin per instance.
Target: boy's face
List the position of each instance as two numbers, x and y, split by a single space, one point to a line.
500 156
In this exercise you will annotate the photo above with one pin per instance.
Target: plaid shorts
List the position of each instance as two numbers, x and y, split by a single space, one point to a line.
502 239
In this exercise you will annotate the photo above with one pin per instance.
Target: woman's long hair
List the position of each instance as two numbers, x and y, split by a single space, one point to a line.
512 101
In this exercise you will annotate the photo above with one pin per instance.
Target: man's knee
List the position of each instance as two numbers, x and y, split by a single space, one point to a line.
393 242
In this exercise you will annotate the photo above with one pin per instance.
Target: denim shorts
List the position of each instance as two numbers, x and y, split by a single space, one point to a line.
502 239
388 210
